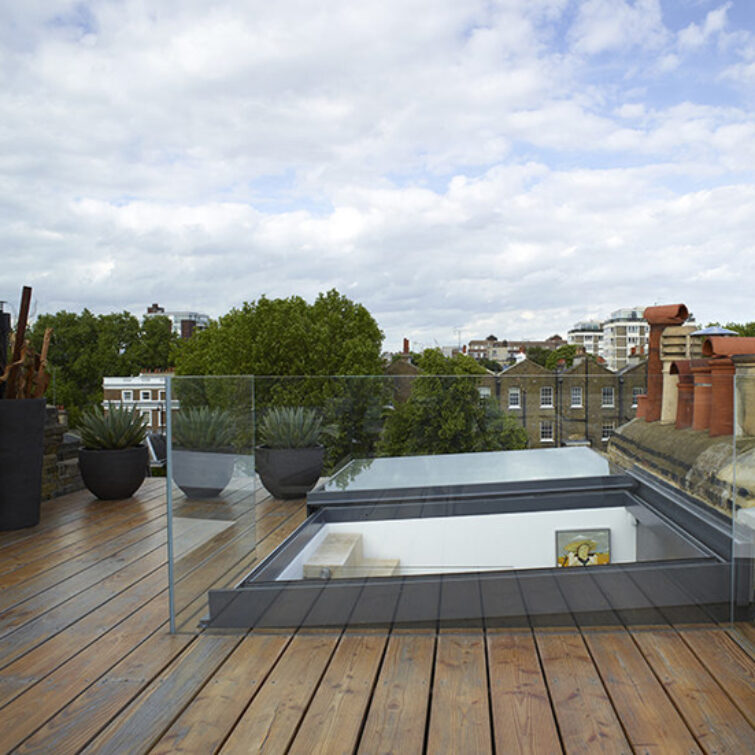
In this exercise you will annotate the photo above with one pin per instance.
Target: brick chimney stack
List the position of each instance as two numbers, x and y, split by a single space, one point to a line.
658 318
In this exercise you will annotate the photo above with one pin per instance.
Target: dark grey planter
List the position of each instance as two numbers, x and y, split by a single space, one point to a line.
202 474
22 437
112 474
289 472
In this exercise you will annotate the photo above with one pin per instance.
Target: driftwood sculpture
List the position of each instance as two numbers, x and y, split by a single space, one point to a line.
26 376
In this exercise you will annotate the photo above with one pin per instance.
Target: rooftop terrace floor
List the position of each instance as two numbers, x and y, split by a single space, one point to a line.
87 664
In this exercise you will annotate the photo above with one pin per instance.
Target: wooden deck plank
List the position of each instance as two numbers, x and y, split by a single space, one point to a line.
744 631
728 664
21 717
459 715
55 621
56 585
70 512
114 690
91 711
146 719
715 721
523 720
59 544
61 647
206 722
334 719
271 720
105 700
57 593
650 719
586 719
116 679
398 712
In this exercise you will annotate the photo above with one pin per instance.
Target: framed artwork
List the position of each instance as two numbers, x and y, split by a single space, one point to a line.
583 547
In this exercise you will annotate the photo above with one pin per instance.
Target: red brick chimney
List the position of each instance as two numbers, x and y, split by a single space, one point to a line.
406 346
719 350
685 390
701 397
658 318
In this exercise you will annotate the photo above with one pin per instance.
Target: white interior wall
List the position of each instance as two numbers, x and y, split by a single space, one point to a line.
474 543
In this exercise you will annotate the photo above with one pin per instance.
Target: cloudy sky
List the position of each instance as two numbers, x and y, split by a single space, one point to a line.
460 168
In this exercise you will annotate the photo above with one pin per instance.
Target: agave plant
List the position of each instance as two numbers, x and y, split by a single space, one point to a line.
292 427
202 429
117 428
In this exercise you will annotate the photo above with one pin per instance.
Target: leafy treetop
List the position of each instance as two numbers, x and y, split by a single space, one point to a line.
332 336
446 414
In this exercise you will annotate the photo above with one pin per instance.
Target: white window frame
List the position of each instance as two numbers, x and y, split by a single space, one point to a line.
637 391
576 390
607 430
127 395
484 391
546 431
518 393
545 391
142 397
161 396
603 391
148 414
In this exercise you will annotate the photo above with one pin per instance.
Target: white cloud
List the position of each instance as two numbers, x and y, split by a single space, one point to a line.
695 36
451 165
605 25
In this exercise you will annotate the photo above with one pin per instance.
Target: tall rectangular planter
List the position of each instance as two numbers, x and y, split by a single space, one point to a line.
22 429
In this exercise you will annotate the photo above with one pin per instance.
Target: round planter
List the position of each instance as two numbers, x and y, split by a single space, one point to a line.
202 474
289 472
22 433
113 473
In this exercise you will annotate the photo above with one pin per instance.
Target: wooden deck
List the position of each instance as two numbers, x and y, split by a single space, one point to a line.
87 665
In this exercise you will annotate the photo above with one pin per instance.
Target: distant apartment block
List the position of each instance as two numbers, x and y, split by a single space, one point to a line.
625 332
589 335
184 322
145 392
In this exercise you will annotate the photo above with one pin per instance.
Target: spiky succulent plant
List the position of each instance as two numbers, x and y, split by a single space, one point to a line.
119 427
202 429
292 427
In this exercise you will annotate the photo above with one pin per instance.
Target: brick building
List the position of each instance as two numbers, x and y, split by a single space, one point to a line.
581 405
145 392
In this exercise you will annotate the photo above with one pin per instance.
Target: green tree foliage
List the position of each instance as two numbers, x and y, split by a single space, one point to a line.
567 352
445 413
157 343
332 336
490 364
279 341
87 347
538 354
744 329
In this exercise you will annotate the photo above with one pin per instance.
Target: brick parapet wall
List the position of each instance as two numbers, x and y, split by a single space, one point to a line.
690 459
60 465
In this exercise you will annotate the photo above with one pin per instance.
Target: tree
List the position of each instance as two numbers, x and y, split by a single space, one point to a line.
157 343
490 364
85 348
332 336
301 355
446 414
538 354
567 352
744 329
